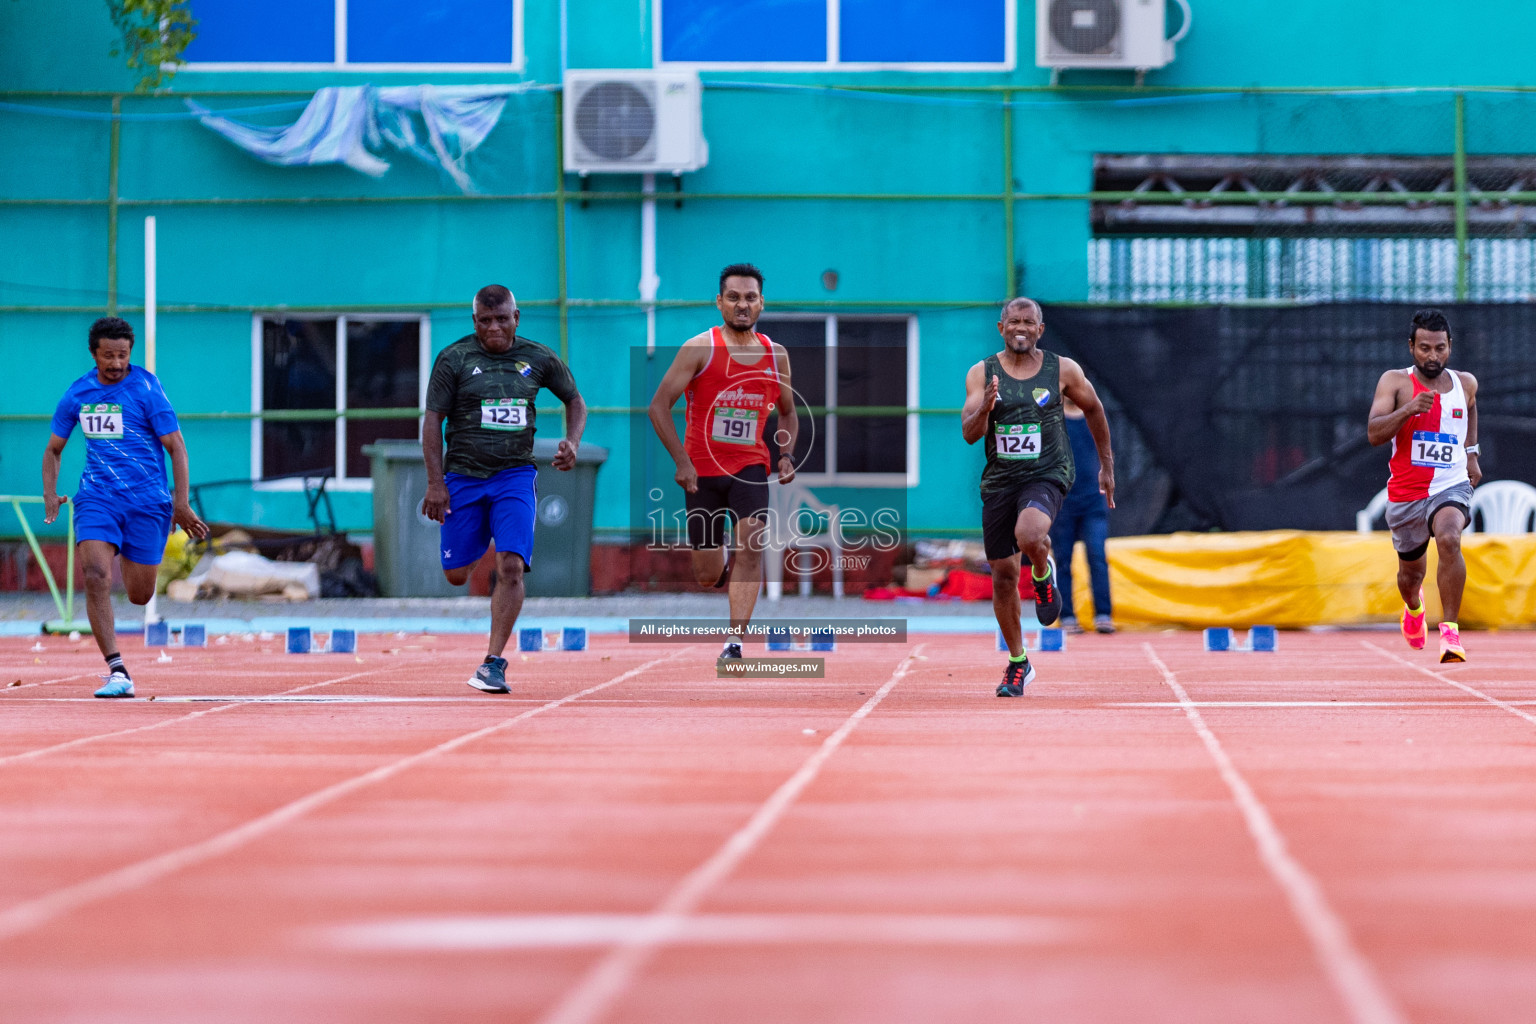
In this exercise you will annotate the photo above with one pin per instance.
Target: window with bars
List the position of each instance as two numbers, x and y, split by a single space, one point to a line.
340 364
857 374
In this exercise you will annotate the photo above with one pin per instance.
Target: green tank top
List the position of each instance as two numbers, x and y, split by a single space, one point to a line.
1026 435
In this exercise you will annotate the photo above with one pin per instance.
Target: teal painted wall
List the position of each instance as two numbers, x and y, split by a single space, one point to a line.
219 262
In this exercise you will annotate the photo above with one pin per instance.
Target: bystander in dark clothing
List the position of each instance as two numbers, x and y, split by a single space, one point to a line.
1084 517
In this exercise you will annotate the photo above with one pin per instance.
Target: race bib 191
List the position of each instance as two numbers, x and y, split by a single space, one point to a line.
504 413
1434 451
734 426
102 421
1018 440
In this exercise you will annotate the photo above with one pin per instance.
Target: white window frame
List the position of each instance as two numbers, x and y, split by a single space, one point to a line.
339 61
832 477
338 481
834 45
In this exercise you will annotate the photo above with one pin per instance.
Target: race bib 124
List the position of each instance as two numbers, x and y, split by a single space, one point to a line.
1018 440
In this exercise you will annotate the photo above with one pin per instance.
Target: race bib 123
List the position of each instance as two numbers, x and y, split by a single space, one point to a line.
504 413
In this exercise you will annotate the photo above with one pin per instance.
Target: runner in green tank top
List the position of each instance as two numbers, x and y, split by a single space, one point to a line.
1013 400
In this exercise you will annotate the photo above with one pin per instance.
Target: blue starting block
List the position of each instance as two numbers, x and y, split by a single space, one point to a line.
823 641
1047 638
1260 638
160 634
778 640
570 638
301 640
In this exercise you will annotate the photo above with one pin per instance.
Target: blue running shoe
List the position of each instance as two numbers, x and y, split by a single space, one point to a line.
491 676
1016 676
118 685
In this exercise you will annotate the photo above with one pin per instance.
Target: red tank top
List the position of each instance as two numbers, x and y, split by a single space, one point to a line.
728 406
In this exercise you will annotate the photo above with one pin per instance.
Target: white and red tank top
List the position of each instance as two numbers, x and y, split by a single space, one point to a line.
1429 452
728 406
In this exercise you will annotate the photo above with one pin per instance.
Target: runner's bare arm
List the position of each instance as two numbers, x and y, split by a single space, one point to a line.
575 424
1076 386
435 506
181 478
51 500
1474 468
788 433
686 365
980 396
1386 418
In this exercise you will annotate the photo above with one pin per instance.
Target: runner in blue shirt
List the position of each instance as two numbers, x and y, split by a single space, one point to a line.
122 506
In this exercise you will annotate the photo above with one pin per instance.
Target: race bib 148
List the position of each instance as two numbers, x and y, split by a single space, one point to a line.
1435 451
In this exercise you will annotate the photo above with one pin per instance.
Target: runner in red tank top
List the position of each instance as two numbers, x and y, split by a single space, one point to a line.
734 378
1430 416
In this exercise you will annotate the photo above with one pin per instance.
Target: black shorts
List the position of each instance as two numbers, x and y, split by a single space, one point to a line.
1000 513
722 499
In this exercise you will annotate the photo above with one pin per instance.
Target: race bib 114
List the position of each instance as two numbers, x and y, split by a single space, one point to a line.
504 413
102 421
1018 440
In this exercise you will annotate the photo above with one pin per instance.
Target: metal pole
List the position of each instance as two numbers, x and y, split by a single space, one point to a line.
562 301
1010 277
649 282
1459 159
151 308
151 311
113 150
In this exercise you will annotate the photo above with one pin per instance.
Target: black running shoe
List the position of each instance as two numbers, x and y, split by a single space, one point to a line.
1047 597
732 652
1016 676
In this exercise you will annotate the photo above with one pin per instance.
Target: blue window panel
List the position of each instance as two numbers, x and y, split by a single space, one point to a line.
268 31
924 31
429 31
755 31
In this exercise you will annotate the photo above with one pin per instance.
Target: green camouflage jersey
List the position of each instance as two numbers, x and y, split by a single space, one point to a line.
487 402
1026 431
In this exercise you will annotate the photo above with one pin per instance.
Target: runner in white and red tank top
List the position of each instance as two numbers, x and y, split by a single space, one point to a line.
1430 416
734 379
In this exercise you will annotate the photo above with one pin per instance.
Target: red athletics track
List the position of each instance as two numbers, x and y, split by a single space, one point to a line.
1344 831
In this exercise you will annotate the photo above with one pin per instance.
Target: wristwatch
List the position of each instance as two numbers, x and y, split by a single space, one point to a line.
1474 449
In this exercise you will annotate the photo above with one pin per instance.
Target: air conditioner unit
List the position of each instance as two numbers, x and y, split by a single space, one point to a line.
1104 33
634 122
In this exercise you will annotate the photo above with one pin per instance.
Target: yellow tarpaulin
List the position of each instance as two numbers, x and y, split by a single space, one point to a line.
1292 579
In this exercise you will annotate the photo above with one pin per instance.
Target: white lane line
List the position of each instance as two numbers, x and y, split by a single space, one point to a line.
1305 703
1509 706
607 980
34 913
47 682
496 932
1348 969
27 755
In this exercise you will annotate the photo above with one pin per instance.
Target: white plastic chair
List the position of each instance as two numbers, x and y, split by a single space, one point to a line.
1505 506
786 501
1366 517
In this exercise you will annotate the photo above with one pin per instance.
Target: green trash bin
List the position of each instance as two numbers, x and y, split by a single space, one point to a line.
562 528
405 543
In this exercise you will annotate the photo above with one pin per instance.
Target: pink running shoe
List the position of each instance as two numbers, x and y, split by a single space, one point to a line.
1450 643
1413 625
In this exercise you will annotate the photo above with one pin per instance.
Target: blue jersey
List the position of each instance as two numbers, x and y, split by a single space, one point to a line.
123 424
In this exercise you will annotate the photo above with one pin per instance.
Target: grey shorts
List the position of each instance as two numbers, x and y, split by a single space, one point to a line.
1412 522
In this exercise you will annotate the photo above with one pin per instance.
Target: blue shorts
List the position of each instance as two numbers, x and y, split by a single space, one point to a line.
139 534
499 507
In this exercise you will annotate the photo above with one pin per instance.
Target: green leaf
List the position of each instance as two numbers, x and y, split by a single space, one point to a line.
155 33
